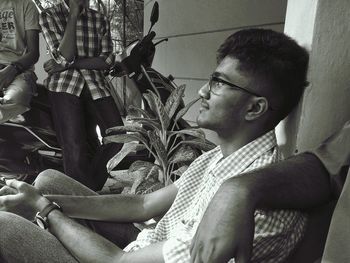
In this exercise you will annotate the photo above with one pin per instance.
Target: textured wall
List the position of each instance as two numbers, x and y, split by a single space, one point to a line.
43 57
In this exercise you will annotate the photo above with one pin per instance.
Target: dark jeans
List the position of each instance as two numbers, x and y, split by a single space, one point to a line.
75 120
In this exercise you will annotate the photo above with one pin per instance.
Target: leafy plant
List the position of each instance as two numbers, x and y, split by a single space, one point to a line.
158 131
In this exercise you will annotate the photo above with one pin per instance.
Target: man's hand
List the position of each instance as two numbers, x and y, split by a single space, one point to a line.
226 230
52 67
7 75
77 6
21 199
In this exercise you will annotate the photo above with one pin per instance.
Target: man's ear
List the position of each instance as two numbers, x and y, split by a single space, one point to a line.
257 107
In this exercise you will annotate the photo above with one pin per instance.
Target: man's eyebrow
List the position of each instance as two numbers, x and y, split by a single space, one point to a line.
217 74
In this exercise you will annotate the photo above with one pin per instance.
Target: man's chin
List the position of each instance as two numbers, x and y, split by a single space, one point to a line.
202 123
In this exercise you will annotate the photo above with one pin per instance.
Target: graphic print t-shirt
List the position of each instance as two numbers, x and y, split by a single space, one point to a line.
16 16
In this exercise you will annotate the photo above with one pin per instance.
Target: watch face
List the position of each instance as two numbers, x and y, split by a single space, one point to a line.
40 221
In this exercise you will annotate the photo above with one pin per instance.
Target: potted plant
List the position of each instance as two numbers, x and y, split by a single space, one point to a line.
157 130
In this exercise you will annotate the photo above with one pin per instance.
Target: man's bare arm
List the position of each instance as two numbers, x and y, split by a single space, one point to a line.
84 244
8 74
67 46
32 54
118 208
97 63
87 246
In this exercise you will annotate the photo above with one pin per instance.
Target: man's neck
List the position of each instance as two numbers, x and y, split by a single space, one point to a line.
233 142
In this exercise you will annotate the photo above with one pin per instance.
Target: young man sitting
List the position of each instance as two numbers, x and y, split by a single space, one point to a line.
259 79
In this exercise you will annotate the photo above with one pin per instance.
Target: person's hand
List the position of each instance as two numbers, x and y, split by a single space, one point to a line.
22 199
52 67
7 75
76 6
226 230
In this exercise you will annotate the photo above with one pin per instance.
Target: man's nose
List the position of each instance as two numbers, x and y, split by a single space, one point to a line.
204 91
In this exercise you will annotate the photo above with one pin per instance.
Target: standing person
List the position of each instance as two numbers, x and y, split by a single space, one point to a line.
259 79
19 51
80 43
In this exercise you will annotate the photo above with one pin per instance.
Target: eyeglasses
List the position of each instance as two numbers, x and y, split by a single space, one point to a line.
215 84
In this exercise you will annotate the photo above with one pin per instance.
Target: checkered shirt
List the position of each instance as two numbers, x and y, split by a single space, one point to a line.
276 232
93 40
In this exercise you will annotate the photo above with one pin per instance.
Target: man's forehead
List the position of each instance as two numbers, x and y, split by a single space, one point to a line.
229 69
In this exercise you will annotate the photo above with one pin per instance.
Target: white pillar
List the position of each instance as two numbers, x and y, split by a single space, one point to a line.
324 28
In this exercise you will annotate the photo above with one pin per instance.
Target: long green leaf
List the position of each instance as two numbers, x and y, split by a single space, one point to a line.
127 148
174 100
156 142
136 112
158 108
195 132
204 146
183 111
154 124
183 154
124 138
127 128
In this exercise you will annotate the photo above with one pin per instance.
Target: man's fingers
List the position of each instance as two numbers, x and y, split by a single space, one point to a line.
243 255
18 185
6 190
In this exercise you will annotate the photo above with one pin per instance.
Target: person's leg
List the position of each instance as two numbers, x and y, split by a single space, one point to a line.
54 182
105 112
16 97
23 241
69 120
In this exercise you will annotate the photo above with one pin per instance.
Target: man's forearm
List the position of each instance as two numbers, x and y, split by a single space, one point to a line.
84 244
32 54
117 208
28 60
67 46
87 246
97 63
296 183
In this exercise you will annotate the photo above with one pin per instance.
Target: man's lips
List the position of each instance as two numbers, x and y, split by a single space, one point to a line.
204 105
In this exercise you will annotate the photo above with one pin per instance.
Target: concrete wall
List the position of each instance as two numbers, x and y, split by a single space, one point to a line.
196 29
39 70
323 27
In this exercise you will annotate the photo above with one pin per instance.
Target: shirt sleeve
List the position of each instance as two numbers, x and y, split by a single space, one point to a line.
53 36
277 233
31 17
107 44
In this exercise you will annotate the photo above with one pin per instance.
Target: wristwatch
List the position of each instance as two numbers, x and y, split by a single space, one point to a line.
41 217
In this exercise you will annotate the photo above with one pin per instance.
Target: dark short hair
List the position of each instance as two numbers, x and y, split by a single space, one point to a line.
276 63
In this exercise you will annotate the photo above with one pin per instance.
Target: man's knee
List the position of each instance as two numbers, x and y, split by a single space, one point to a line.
48 180
54 182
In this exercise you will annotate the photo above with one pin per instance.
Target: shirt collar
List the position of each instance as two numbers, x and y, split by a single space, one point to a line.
238 161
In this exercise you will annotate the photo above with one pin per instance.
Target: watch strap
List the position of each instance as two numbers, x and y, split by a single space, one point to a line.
48 209
42 215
